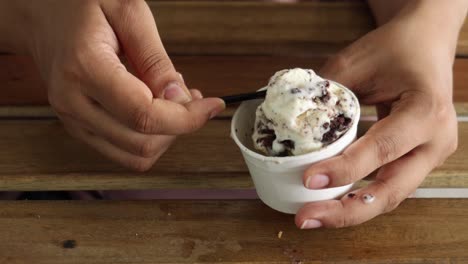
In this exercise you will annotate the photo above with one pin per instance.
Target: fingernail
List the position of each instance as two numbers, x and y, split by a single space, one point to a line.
311 223
173 92
181 77
217 110
317 181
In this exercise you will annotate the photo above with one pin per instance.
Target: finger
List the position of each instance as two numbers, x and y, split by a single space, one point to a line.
136 29
196 94
130 101
394 183
386 140
110 151
95 119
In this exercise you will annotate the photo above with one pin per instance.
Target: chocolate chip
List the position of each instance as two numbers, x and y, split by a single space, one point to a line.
328 137
347 121
339 123
267 141
325 97
334 124
289 144
326 125
69 244
351 195
267 131
340 119
295 90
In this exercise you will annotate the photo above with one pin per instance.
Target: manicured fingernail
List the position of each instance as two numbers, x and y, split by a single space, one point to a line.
173 92
311 223
317 181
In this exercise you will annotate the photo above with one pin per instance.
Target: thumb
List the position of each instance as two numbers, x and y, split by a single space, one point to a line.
134 25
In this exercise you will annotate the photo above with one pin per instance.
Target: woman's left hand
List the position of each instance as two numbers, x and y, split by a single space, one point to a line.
408 77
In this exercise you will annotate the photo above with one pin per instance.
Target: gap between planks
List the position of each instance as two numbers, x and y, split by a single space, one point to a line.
37 112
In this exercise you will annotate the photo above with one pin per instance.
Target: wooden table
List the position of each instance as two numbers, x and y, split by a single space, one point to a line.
37 154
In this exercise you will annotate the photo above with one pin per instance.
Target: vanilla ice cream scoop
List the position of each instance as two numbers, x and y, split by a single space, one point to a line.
301 113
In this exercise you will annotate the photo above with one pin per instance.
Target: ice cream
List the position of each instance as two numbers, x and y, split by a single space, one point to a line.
301 113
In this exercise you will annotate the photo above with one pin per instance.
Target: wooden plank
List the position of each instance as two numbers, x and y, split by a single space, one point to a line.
256 27
21 85
259 28
69 232
213 27
46 158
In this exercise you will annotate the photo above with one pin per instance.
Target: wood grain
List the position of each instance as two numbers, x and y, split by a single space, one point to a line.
259 28
265 27
253 27
224 232
213 75
39 155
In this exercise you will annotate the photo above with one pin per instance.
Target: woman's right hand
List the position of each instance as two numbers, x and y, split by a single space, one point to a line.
131 119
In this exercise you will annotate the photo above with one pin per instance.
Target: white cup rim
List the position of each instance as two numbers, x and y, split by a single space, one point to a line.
256 155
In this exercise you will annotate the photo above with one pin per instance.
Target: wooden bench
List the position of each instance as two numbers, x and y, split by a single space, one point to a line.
37 154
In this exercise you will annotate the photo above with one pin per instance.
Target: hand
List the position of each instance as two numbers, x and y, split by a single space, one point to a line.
407 73
130 119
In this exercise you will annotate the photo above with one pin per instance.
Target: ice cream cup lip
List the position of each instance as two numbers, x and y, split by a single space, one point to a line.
289 158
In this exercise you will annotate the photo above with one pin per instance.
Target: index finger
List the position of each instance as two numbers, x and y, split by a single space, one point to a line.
387 140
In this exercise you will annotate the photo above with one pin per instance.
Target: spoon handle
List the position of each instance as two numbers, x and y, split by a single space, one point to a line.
230 99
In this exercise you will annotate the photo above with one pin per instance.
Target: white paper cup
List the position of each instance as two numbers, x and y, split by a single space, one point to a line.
278 180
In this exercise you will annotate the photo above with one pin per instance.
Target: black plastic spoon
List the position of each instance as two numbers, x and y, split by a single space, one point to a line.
231 99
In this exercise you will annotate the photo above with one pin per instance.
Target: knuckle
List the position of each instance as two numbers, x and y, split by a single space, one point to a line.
340 61
154 63
141 120
141 165
385 148
345 220
452 122
453 145
193 125
351 173
443 111
450 148
394 198
147 149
